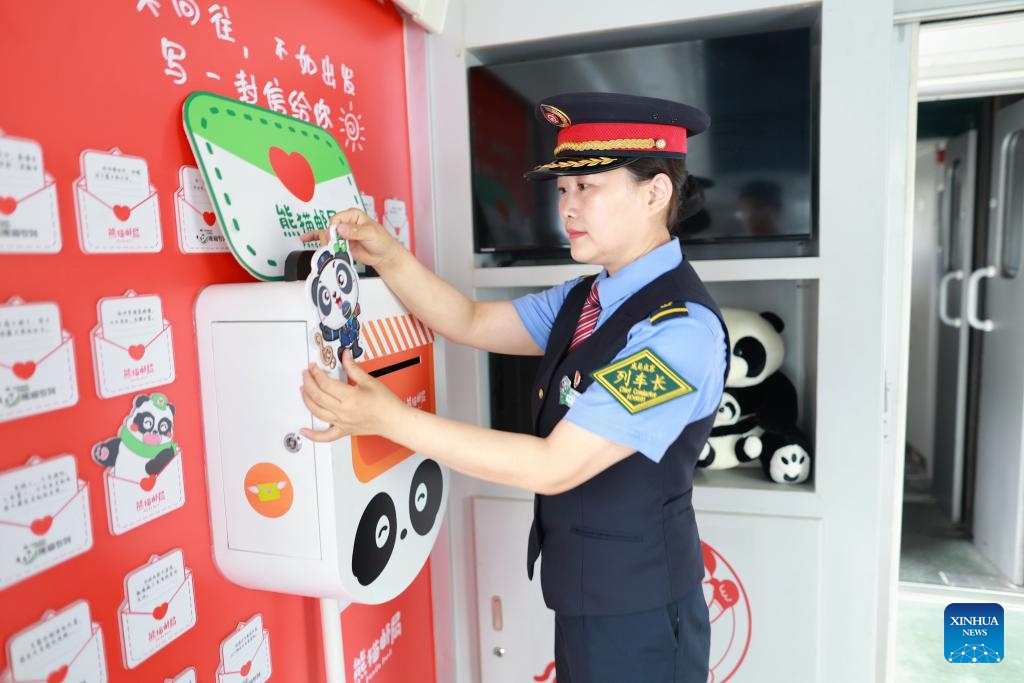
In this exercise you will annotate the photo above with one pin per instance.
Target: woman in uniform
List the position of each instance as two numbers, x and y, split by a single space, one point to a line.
634 362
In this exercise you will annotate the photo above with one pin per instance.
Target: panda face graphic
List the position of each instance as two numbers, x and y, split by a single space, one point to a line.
152 421
377 532
336 292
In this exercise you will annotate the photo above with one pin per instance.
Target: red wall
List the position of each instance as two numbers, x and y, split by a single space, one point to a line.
78 76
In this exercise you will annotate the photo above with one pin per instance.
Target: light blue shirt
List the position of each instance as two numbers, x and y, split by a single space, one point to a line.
693 346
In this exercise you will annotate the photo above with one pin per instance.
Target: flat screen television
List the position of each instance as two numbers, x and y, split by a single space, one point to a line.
756 161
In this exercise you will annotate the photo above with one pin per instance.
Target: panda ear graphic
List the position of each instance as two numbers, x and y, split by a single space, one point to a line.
170 406
313 289
775 320
140 399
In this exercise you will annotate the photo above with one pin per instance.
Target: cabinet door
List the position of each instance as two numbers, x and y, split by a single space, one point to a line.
763 589
269 491
516 629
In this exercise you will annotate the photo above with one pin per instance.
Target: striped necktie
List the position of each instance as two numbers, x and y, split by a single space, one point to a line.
588 318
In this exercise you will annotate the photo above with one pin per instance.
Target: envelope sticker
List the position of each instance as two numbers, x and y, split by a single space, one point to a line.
159 606
292 175
44 517
369 205
63 646
144 477
131 344
29 220
186 676
245 654
199 231
37 361
116 205
396 221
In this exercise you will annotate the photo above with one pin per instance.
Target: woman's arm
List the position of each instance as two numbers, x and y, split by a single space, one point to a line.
489 326
568 457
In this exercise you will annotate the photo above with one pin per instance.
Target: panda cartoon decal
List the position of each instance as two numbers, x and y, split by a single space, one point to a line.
397 496
758 412
377 531
146 435
143 471
333 287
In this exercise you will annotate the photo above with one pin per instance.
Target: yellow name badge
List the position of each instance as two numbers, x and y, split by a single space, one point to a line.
642 381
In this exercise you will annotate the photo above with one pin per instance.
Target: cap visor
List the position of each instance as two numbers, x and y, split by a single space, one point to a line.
562 166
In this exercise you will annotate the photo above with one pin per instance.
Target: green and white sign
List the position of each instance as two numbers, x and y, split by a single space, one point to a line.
271 177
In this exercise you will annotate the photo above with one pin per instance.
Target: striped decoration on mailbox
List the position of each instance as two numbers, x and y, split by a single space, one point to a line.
384 336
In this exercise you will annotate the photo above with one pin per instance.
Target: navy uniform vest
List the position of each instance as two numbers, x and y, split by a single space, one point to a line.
626 540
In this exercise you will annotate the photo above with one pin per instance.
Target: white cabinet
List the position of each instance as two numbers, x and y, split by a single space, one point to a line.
762 611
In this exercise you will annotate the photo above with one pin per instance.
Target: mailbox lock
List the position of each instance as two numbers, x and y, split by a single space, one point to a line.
292 442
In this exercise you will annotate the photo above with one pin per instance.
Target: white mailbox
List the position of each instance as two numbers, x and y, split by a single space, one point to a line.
355 519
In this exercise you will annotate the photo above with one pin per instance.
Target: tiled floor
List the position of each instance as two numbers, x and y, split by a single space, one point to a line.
935 551
919 638
940 565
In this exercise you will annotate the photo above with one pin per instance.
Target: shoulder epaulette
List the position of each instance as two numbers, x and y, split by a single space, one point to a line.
667 311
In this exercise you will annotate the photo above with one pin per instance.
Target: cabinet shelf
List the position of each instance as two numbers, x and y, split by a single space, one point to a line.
721 270
745 490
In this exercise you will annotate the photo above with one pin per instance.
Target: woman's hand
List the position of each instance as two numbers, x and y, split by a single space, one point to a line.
369 242
365 407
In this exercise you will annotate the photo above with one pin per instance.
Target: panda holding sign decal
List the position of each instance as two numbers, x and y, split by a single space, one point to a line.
758 411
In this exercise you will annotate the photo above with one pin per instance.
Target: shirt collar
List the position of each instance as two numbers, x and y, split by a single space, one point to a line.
629 279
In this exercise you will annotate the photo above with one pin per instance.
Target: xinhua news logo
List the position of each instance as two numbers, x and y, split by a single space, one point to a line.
974 633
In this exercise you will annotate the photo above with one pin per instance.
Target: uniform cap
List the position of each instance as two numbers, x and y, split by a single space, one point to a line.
601 131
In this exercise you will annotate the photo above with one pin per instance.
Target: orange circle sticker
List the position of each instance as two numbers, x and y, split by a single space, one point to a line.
268 490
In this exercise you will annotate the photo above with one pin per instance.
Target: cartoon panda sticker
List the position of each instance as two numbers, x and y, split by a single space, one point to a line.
144 478
333 287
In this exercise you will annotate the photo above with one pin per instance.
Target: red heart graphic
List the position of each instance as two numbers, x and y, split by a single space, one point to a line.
245 668
122 212
42 525
148 483
294 172
24 370
136 351
58 676
209 217
8 205
160 611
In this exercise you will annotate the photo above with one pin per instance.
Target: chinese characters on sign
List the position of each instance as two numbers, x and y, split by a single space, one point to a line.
368 663
263 91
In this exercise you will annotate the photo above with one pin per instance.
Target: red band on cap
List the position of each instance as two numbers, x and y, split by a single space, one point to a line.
627 137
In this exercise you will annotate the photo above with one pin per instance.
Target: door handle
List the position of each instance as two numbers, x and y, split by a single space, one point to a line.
972 298
944 297
497 618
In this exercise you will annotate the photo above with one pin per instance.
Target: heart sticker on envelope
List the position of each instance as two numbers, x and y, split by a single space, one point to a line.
24 370
271 177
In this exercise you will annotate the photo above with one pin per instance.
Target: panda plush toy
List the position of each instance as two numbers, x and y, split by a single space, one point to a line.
758 411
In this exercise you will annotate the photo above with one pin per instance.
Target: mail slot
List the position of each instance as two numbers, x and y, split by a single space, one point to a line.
410 374
355 519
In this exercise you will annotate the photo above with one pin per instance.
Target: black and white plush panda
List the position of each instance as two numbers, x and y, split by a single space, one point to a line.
148 436
758 411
